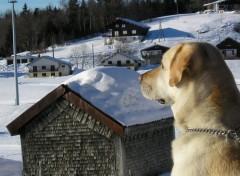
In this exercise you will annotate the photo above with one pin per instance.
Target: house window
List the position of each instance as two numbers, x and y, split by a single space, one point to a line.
63 66
52 67
134 31
9 62
44 74
34 68
52 74
24 60
116 33
117 25
124 32
119 63
139 64
109 62
60 73
229 52
34 74
44 67
123 25
128 62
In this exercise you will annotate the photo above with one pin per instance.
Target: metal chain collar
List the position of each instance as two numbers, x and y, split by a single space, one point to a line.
232 134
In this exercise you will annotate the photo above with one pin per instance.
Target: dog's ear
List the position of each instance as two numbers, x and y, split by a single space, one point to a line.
188 61
181 64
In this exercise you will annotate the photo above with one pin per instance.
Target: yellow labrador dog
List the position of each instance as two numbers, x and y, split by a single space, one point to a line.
194 79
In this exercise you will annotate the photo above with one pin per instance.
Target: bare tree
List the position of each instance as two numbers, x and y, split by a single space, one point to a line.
125 48
79 55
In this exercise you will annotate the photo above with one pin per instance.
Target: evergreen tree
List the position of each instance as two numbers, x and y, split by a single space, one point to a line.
8 44
25 10
73 20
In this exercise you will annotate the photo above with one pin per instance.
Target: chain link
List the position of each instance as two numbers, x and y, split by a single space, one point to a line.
230 133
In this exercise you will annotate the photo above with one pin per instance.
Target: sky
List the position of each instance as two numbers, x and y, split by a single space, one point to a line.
4 5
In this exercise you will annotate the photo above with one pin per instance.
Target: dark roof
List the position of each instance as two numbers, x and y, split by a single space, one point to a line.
134 22
129 21
63 91
155 47
228 43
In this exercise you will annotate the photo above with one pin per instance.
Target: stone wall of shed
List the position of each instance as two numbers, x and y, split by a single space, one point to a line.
148 148
63 140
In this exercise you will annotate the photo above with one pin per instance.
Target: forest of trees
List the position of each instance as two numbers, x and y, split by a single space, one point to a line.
72 19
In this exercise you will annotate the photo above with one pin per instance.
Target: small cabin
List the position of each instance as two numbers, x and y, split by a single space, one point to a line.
124 30
230 48
47 66
72 133
121 59
153 54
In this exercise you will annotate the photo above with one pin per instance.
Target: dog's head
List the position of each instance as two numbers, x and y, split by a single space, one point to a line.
181 66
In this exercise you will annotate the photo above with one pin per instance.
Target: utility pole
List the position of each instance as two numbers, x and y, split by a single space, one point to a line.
93 55
176 1
14 51
161 33
53 46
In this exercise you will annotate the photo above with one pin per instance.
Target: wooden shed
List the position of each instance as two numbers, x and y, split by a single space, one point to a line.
153 54
63 134
230 48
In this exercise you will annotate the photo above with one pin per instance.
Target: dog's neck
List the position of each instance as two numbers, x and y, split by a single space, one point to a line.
213 107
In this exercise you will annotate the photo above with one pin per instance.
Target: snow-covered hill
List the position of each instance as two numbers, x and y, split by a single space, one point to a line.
211 28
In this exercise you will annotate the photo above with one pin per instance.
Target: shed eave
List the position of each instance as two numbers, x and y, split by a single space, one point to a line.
15 126
63 91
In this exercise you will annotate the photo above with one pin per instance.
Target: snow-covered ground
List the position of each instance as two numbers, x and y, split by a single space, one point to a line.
211 28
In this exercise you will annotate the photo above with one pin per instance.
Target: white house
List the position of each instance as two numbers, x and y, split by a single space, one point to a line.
121 59
48 66
22 58
215 5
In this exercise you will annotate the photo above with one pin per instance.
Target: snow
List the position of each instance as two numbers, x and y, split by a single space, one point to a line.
120 91
118 88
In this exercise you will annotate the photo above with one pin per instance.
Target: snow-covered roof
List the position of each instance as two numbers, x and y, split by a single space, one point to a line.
111 95
116 91
52 59
215 2
130 56
134 22
155 47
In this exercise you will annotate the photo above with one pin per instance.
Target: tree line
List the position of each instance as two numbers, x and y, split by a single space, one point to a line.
37 29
